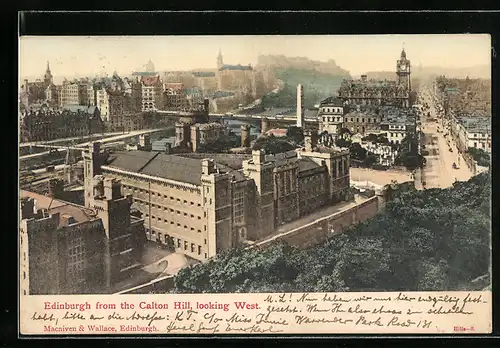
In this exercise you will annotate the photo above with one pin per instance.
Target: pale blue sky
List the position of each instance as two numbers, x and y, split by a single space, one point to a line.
94 55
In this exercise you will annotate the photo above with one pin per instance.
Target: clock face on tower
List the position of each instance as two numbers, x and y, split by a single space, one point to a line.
402 66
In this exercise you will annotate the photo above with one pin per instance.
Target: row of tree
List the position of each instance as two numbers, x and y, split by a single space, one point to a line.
408 154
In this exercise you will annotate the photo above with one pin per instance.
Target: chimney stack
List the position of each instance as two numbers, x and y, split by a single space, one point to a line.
311 141
144 140
98 186
207 166
112 189
258 156
27 208
300 106
264 125
245 135
56 188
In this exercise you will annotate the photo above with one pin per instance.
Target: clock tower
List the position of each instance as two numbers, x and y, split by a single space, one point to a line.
403 70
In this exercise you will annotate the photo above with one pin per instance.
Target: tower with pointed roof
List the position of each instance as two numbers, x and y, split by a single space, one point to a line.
47 78
403 70
220 61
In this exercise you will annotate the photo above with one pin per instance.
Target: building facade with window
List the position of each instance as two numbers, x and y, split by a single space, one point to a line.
61 247
200 207
152 93
69 121
471 131
69 249
331 115
366 91
362 119
397 123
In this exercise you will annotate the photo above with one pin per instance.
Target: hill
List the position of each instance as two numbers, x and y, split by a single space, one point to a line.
301 63
317 86
431 240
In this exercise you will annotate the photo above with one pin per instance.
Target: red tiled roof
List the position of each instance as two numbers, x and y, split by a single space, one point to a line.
278 132
150 80
79 213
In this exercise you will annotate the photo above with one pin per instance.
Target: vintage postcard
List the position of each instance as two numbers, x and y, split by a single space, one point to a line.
259 185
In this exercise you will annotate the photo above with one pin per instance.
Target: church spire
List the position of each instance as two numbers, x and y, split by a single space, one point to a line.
48 76
220 61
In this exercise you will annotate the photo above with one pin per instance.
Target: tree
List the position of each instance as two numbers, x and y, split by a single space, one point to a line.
370 159
345 132
408 155
371 137
272 145
221 144
295 134
357 152
363 263
480 156
432 275
341 142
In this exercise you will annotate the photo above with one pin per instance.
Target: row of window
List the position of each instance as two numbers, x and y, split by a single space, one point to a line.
483 145
368 120
76 271
331 109
177 224
134 189
166 209
239 207
480 135
397 135
177 243
332 119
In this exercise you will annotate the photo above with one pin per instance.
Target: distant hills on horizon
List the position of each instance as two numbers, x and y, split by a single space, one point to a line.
475 71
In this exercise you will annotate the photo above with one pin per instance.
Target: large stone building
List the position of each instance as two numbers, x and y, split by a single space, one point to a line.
69 249
152 93
471 96
193 130
74 92
397 123
471 132
242 78
117 99
48 124
373 92
362 119
36 91
331 115
175 97
201 206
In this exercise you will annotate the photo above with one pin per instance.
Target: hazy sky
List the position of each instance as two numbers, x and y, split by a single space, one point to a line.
70 56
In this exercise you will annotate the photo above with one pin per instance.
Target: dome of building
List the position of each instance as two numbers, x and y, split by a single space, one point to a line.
150 67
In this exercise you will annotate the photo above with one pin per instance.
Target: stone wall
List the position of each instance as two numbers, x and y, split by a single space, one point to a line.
319 230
